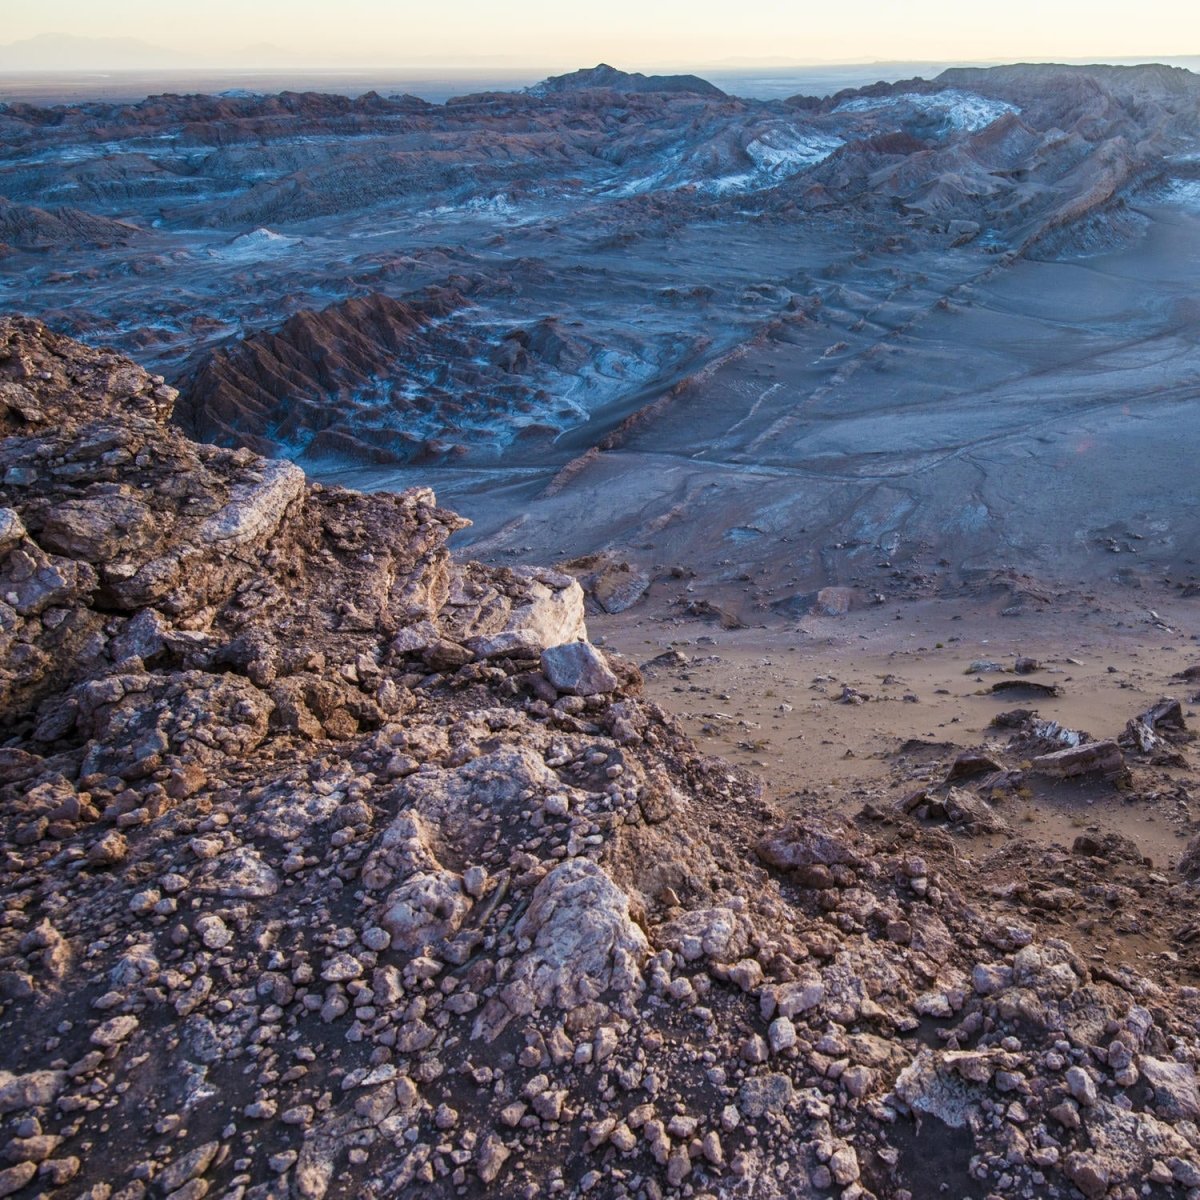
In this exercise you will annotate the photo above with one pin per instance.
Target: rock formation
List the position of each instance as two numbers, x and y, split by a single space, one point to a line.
374 379
335 867
29 228
610 79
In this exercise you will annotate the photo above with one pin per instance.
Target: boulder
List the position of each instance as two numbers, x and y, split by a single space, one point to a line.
1091 757
582 942
578 669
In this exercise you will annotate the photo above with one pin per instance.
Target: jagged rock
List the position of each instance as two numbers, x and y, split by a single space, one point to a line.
928 1085
12 529
1174 1085
1124 1144
190 1166
1153 732
721 933
1113 846
239 873
971 763
578 669
582 943
427 907
1100 757
957 806
804 850
761 1095
619 588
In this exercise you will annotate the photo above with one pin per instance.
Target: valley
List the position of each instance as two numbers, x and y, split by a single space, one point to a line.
610 639
791 339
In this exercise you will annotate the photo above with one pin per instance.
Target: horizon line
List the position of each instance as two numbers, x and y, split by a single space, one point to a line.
641 66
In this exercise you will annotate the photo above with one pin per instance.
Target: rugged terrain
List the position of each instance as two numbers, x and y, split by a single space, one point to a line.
927 324
336 867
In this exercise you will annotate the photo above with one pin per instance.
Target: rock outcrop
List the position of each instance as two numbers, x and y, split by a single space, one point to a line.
30 228
375 379
325 874
610 79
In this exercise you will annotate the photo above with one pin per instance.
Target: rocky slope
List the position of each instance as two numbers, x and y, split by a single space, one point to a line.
379 380
27 228
335 867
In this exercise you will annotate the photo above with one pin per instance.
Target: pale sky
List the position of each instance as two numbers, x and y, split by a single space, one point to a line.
629 33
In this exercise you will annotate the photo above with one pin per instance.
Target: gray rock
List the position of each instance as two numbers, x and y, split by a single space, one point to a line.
1174 1085
33 1090
763 1094
12 530
582 943
1105 757
578 669
1081 1085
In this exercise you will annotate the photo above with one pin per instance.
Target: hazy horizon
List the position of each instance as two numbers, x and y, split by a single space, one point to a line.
536 34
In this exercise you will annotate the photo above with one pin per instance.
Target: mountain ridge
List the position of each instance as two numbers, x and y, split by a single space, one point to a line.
610 78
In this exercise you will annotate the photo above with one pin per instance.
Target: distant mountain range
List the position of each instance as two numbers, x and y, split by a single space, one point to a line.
66 52
69 52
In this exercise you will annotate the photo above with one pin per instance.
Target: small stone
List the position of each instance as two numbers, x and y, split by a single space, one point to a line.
762 1094
843 1165
491 1157
109 850
556 805
214 933
15 1178
857 1080
1066 1114
113 1032
754 1049
190 1166
679 1167
1081 1086
36 1148
282 1161
376 939
746 974
341 968
781 1035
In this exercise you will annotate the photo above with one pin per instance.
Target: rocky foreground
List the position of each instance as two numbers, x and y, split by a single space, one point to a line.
334 867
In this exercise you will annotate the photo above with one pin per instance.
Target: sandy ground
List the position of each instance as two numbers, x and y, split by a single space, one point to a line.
770 698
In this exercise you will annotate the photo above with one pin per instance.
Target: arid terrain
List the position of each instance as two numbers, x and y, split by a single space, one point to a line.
922 321
781 784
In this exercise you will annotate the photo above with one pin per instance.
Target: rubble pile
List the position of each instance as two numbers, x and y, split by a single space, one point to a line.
333 867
